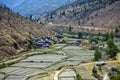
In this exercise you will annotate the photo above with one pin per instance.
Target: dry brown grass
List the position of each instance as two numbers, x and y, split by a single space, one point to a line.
15 32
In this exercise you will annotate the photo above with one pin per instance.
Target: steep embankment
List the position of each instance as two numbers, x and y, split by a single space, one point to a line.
98 13
15 32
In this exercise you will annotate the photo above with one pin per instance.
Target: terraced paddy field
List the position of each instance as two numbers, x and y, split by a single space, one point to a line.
85 71
33 65
118 45
58 46
42 64
2 75
68 74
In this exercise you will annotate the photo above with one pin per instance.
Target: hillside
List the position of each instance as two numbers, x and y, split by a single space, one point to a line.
15 32
87 13
36 8
11 3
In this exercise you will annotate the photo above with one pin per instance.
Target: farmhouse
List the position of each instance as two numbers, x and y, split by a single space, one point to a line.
35 39
45 38
102 63
40 44
103 44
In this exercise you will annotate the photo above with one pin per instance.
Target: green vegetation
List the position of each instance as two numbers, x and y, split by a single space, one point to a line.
79 77
70 29
29 37
92 38
97 54
70 35
115 76
3 65
116 30
109 36
112 35
111 49
34 45
79 35
94 70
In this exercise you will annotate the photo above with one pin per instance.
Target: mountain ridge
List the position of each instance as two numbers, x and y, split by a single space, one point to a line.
80 11
36 8
11 3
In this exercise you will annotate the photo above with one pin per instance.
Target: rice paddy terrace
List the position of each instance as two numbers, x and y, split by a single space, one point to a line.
44 66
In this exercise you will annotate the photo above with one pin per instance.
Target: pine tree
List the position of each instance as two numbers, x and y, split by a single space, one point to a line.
116 30
79 35
70 29
112 35
111 48
107 36
97 54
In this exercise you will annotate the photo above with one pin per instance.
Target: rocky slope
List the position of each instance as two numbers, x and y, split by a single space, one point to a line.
15 32
87 13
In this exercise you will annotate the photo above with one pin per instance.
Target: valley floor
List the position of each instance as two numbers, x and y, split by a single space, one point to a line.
59 62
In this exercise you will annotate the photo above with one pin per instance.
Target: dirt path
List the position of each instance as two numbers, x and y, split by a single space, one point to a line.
57 74
106 77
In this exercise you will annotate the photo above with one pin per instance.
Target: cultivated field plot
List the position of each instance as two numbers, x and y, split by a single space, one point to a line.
118 45
71 78
61 64
74 58
70 63
42 64
31 65
68 74
27 72
9 69
44 58
80 58
83 72
79 55
1 76
72 48
58 46
79 52
18 73
12 77
40 61
54 67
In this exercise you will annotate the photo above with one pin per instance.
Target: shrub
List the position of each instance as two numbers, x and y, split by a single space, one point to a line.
94 70
79 77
